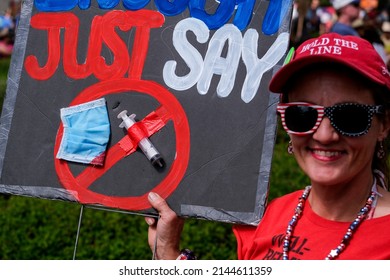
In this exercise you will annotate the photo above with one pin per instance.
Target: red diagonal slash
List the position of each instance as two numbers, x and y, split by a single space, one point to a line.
170 110
153 123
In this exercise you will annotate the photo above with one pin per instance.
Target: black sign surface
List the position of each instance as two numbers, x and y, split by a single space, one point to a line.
195 74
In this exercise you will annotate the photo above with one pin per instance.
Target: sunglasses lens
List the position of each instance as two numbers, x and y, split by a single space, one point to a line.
350 119
300 118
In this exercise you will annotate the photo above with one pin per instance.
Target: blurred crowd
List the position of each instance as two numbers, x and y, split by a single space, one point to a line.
369 19
8 22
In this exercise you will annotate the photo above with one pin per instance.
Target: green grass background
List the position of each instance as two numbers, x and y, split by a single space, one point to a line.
32 228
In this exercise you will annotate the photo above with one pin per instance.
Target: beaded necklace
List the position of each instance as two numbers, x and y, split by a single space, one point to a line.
333 254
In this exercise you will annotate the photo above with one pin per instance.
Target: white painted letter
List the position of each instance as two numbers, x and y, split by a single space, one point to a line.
214 63
190 54
257 67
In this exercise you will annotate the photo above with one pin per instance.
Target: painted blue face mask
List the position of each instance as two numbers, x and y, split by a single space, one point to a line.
86 132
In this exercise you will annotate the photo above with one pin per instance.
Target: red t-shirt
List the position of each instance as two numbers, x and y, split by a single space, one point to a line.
313 238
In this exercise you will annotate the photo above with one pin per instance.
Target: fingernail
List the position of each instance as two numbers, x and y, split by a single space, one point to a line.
153 196
149 221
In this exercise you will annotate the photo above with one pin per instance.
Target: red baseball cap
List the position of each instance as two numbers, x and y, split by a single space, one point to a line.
351 51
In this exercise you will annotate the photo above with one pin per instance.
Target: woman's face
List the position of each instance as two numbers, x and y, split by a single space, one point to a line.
327 157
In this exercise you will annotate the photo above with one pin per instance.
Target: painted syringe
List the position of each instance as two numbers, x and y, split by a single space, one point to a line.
145 145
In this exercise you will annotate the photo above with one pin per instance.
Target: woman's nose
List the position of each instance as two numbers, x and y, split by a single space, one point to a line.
326 132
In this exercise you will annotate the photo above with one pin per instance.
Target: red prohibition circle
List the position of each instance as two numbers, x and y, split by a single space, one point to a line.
175 112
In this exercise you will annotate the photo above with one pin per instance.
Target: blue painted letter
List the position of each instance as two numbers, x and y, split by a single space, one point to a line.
107 4
171 8
276 13
55 5
222 15
135 5
244 13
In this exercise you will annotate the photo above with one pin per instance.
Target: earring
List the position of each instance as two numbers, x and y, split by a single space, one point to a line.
290 148
381 151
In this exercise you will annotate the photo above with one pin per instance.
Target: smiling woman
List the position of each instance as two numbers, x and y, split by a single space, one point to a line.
336 111
339 148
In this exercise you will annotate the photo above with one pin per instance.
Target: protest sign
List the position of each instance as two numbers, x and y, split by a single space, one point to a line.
109 100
